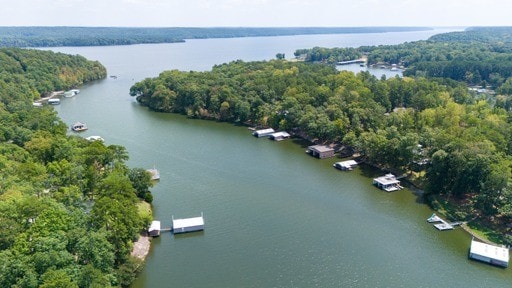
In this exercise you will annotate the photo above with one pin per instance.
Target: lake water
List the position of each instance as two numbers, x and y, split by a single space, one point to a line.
275 217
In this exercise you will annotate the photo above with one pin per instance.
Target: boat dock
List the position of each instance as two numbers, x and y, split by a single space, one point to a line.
494 255
442 224
356 61
263 132
388 183
178 226
186 225
345 165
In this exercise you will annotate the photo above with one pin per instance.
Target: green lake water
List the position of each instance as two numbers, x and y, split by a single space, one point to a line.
274 216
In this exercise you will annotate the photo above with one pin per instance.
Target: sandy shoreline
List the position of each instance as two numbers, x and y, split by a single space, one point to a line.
141 247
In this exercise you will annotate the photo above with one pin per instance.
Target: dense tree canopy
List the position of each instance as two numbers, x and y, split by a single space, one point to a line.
68 212
458 140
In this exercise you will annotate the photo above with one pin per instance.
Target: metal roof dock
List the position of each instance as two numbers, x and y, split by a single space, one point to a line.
345 165
487 253
263 132
187 224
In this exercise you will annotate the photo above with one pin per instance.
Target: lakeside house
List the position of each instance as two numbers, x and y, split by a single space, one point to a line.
320 151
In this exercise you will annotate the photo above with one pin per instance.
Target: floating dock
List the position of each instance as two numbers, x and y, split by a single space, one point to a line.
441 224
487 253
187 224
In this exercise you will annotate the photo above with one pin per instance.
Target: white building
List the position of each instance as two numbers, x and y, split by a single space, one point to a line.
187 224
489 253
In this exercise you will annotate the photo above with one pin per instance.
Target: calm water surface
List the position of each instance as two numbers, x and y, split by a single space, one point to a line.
275 217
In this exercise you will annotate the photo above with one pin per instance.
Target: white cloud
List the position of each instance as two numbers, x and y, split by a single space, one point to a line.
202 13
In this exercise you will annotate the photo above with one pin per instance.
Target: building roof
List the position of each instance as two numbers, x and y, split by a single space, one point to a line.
187 222
347 163
387 179
490 251
155 225
263 131
280 134
321 148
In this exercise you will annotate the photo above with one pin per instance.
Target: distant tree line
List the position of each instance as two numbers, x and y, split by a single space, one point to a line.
102 36
68 207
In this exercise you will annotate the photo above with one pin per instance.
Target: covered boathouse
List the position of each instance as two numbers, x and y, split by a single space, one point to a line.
345 165
263 132
187 224
154 229
320 151
278 136
388 183
487 253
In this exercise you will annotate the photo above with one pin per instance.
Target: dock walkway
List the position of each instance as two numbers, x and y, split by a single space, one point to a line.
442 224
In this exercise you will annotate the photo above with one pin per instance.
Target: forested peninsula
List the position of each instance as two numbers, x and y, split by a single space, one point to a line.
452 141
69 208
103 36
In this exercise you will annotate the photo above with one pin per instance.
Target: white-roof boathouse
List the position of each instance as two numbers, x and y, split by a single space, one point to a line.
487 253
388 183
345 165
263 132
187 224
320 151
154 229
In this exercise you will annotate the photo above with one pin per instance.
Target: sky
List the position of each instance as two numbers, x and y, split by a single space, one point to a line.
255 13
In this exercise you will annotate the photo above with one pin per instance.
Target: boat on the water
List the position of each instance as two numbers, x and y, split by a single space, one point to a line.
71 93
155 175
78 127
